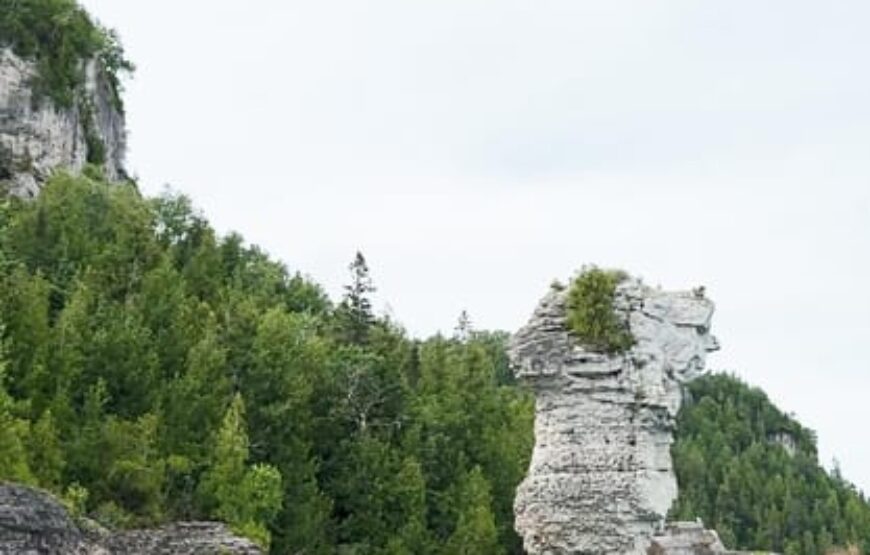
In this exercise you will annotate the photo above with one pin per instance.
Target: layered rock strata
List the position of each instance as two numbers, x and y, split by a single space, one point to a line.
690 538
601 479
33 522
37 137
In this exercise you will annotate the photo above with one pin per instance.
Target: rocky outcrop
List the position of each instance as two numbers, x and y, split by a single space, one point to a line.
601 480
184 538
36 137
33 522
690 538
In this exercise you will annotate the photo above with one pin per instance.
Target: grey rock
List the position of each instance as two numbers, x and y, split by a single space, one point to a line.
690 538
33 522
183 538
601 478
37 138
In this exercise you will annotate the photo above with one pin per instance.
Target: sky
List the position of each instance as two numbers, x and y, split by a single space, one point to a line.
475 150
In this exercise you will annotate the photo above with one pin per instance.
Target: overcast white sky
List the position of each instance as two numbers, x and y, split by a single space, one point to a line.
474 150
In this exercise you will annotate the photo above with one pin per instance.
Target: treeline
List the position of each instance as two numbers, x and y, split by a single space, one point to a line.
752 473
153 371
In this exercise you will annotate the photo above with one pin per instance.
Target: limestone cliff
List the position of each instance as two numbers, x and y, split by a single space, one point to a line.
33 522
601 480
36 137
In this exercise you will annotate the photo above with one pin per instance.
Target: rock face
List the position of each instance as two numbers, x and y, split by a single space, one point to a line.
601 480
182 539
689 538
34 523
36 137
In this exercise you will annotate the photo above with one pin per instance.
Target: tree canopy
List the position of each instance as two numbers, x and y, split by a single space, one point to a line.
751 472
155 371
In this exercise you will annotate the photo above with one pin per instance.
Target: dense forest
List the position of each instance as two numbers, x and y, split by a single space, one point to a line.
153 371
752 473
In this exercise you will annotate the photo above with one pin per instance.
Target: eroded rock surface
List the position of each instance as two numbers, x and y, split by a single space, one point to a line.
37 138
32 522
690 538
601 479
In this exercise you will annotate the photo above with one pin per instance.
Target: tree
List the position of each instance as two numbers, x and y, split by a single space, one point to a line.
248 498
355 312
475 529
46 452
591 315
13 435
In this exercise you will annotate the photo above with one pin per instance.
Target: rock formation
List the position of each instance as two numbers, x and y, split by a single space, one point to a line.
601 480
36 137
33 522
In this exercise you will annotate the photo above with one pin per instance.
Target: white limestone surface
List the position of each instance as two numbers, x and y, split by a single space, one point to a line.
601 478
37 138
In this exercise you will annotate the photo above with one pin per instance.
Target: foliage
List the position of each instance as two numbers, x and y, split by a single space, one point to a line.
156 371
355 316
751 473
245 497
591 314
60 37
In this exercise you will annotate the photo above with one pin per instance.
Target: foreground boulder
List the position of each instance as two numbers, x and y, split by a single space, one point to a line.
35 523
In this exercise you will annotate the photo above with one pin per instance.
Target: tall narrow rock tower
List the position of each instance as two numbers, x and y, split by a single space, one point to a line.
601 479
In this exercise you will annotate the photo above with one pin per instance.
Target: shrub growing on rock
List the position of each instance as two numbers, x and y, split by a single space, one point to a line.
591 314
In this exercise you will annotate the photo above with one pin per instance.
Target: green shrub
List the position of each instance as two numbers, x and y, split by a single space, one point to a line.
591 316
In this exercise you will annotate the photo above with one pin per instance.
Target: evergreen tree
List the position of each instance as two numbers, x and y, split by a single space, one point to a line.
475 529
46 452
355 311
248 498
13 435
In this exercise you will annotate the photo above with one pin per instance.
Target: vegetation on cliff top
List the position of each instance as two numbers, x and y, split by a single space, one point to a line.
591 314
59 36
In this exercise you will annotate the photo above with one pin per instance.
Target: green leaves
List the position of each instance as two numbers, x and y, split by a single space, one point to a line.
247 498
591 315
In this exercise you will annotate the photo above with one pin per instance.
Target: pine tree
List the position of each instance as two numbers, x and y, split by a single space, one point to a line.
475 531
247 498
46 453
13 434
227 470
355 312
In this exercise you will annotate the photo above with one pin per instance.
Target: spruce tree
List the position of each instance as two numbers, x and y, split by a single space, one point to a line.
355 312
